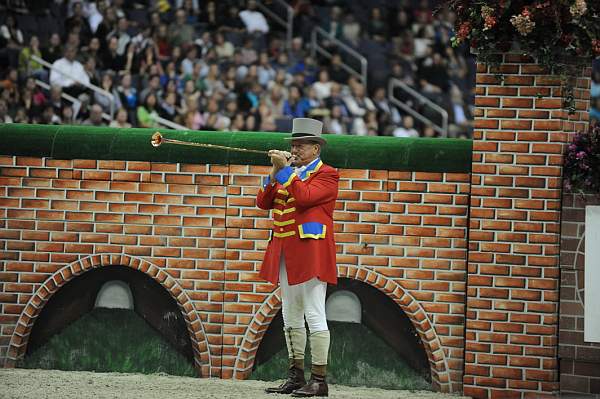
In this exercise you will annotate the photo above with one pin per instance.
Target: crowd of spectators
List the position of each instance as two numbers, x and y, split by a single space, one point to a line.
224 65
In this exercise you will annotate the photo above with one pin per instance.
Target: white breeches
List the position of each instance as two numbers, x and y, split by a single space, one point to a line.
302 300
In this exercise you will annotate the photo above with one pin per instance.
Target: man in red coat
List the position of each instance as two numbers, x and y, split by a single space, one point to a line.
301 251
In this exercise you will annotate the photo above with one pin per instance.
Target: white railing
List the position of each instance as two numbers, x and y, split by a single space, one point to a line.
419 98
169 124
76 103
316 47
287 23
90 86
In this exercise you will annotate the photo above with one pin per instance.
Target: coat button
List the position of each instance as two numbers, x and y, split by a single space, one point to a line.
281 229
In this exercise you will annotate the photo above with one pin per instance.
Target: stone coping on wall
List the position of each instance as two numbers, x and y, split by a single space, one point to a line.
342 151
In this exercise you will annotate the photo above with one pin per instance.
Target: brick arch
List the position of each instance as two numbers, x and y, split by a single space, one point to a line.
20 336
411 307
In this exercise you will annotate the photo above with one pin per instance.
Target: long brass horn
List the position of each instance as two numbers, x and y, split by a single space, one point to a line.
157 140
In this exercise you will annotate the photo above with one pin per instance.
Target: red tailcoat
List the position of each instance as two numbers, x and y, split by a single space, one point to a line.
303 223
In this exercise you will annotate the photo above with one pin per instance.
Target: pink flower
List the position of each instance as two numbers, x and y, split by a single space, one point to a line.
581 155
464 30
490 22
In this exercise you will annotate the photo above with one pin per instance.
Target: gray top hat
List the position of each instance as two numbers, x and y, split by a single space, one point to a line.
307 129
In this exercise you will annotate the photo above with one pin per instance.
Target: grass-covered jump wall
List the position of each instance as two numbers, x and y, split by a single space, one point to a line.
342 151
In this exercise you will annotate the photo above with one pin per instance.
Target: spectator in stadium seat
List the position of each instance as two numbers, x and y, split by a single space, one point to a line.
377 26
248 52
402 22
336 99
459 114
179 31
67 117
104 101
73 76
162 42
153 87
385 110
146 114
21 116
127 94
148 59
351 29
192 9
429 131
336 70
108 24
26 103
267 121
357 102
112 59
170 74
239 123
333 24
254 21
120 32
241 70
433 76
11 82
266 72
212 83
78 21
4 117
95 118
335 123
92 49
90 69
53 51
407 129
232 22
274 100
121 119
11 41
193 117
213 118
212 16
55 99
223 47
29 67
168 108
296 106
49 117
323 85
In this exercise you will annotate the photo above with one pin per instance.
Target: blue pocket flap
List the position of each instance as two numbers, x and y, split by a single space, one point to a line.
312 230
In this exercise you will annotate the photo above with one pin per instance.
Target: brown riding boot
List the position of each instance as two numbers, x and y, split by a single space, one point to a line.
316 386
294 380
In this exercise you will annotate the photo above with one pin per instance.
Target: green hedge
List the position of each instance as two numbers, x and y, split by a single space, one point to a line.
351 152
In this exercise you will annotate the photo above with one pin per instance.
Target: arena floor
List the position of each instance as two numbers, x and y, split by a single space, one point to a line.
26 383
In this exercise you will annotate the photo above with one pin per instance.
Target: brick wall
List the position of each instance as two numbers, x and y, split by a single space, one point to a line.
195 230
579 360
513 268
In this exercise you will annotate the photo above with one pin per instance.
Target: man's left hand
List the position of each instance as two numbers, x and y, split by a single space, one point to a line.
279 159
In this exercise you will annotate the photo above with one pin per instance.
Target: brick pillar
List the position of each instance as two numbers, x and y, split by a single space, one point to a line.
513 270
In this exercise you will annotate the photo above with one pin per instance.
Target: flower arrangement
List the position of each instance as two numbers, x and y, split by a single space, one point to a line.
582 162
548 30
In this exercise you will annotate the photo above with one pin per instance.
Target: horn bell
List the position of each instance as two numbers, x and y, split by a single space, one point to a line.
157 139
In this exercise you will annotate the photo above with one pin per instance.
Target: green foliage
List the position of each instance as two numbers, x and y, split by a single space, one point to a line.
110 340
357 357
